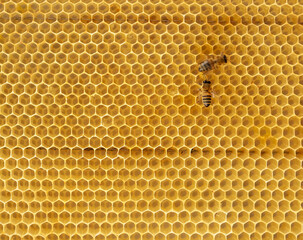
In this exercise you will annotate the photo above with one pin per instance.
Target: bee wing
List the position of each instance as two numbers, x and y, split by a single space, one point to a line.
213 94
199 99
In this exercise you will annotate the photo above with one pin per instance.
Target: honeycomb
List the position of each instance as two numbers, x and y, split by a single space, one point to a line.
101 136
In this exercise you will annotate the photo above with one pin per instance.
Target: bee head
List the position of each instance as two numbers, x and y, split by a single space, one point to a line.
206 104
225 58
206 81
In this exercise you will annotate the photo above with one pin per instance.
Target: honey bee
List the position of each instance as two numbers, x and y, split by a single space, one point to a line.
205 94
212 63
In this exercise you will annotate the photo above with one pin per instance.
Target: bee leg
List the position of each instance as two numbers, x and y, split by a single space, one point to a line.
210 57
198 81
205 76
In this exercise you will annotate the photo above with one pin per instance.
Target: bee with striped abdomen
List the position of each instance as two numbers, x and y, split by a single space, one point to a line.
205 94
212 63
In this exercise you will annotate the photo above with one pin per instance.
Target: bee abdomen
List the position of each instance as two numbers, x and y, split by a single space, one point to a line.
206 99
205 66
